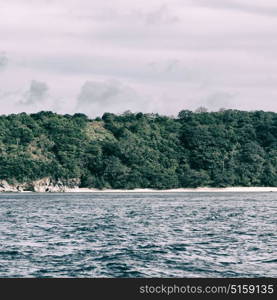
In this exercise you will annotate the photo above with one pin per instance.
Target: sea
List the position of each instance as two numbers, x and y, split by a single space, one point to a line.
164 235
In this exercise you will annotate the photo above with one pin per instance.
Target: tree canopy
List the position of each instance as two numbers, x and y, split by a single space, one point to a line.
136 150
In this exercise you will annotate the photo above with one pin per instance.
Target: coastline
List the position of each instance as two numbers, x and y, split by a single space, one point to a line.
47 185
181 190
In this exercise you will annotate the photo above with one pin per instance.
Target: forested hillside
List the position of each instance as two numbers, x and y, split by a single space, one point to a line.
226 148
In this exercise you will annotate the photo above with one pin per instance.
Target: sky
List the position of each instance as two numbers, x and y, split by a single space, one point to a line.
156 56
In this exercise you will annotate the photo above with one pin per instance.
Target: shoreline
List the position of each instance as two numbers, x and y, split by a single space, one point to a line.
180 190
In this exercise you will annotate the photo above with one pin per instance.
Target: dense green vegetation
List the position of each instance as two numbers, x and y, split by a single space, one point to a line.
226 148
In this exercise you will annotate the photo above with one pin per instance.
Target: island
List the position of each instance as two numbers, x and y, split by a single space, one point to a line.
49 152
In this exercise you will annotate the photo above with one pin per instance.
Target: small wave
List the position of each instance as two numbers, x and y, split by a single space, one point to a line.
10 253
271 261
138 235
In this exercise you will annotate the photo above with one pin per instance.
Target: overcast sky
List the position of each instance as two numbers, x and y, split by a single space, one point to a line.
149 55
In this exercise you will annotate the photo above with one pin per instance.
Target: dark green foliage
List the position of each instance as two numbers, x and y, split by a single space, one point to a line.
226 148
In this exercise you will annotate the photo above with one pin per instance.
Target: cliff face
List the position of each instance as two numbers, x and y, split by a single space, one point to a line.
5 187
40 186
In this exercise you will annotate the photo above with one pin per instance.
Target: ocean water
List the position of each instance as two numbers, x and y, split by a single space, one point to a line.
138 235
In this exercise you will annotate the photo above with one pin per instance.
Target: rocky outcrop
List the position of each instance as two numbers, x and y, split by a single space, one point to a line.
41 186
6 187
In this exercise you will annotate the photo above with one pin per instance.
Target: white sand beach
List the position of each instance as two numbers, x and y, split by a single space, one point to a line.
182 190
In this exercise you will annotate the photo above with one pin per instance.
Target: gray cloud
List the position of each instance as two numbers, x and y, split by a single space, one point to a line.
249 7
99 92
37 92
161 15
218 100
3 60
99 97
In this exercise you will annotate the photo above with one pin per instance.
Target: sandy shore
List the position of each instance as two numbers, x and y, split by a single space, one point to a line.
195 190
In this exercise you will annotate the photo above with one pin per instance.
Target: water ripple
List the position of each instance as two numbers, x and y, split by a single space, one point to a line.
138 235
